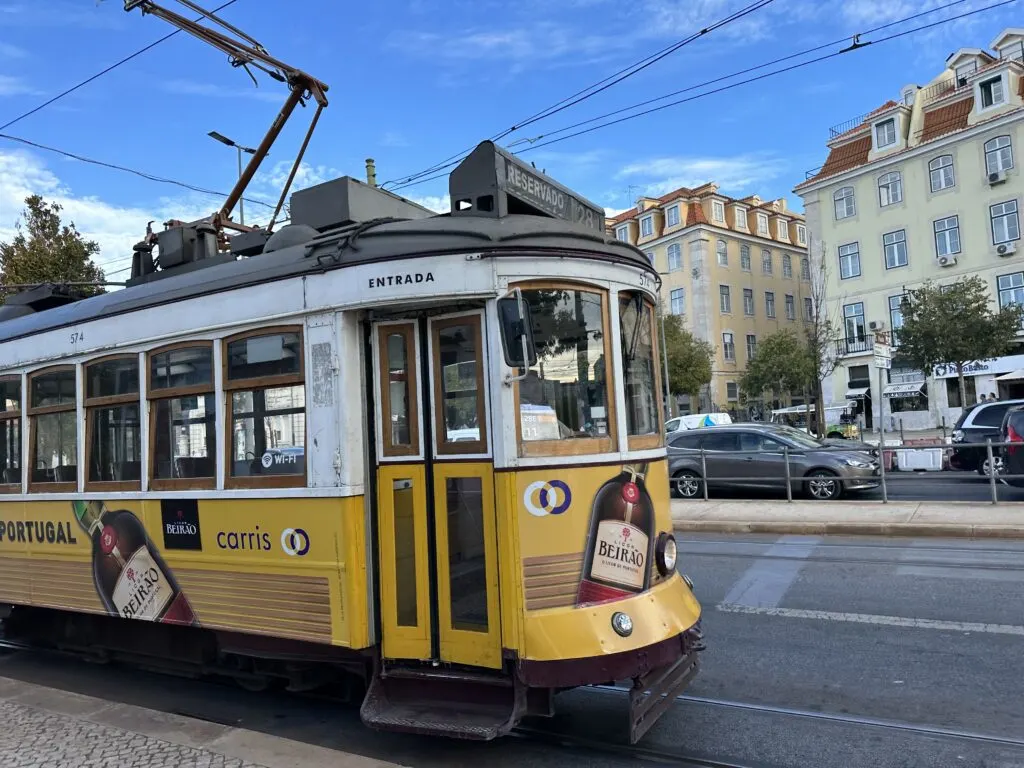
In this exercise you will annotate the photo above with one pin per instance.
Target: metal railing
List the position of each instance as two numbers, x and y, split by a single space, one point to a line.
796 483
853 345
840 128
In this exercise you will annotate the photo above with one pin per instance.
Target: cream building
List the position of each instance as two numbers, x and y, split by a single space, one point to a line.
736 270
926 187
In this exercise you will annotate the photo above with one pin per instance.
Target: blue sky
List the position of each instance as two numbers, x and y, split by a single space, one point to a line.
414 81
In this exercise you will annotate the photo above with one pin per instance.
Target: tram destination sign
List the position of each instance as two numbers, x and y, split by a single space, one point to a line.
518 188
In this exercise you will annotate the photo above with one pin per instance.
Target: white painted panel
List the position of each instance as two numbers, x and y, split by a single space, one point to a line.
323 450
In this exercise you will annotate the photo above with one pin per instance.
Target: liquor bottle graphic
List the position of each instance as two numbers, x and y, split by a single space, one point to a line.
131 577
615 564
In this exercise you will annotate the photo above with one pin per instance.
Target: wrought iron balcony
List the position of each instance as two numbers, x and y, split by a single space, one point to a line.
853 345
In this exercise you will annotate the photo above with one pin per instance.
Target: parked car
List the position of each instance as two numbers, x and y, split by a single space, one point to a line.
695 420
757 453
1012 431
976 424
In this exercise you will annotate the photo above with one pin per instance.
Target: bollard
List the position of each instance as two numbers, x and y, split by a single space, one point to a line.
881 467
789 484
991 470
704 473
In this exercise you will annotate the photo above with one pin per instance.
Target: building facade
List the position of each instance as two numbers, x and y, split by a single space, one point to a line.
734 270
924 188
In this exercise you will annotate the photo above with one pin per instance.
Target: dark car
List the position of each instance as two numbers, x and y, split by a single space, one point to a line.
1012 432
976 425
754 456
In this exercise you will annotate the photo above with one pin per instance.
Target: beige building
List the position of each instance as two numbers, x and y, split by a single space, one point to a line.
735 270
925 187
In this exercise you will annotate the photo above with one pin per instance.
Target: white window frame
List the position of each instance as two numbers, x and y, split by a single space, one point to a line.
937 166
805 268
748 302
646 226
767 267
787 265
1003 92
718 210
670 214
728 346
725 299
675 258
849 254
890 189
732 391
808 308
996 150
769 304
848 316
876 133
782 230
762 224
677 301
801 234
1008 218
722 253
1010 288
896 310
946 238
790 301
848 197
622 233
740 219
891 242
751 346
745 257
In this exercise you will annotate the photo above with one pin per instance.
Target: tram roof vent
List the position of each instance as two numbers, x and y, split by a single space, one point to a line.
491 182
38 299
347 201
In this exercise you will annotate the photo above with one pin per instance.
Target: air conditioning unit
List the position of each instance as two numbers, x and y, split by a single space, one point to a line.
1006 249
946 261
875 325
998 177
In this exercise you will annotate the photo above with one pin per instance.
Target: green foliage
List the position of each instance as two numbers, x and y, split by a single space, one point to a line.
689 358
44 250
784 363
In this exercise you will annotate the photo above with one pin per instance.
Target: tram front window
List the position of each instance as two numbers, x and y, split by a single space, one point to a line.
565 396
639 378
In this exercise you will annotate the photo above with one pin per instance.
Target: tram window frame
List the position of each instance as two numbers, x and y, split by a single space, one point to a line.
252 384
102 402
407 330
576 446
15 416
443 446
34 412
646 440
156 394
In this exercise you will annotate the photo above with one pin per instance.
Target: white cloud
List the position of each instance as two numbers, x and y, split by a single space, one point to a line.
611 213
12 51
270 182
16 86
732 174
436 203
394 139
193 88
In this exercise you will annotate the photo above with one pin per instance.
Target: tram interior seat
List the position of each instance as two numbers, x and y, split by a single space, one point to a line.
12 476
65 474
194 466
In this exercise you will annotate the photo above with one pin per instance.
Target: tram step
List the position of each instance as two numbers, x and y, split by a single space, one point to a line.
457 706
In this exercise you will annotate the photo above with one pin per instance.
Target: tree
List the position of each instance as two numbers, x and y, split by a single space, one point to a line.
689 359
953 324
821 331
44 250
783 364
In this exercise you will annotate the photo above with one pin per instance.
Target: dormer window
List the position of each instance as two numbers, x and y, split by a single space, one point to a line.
622 234
672 216
964 72
762 224
993 92
741 218
718 210
801 234
782 229
646 226
885 133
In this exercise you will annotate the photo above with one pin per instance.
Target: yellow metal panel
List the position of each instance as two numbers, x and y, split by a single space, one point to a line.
403 641
461 646
509 562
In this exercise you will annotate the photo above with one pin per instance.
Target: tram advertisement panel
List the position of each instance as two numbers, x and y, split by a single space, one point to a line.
264 565
587 534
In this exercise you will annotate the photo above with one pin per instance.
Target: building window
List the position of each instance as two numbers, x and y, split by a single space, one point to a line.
808 309
782 228
845 203
650 256
113 435
853 323
646 226
896 313
724 299
677 299
622 234
718 210
675 258
766 261
790 307
849 261
762 224
740 215
890 188
805 268
732 391
10 434
723 253
745 258
728 347
1005 224
184 428
993 92
672 216
895 246
751 346
940 173
947 236
998 154
801 234
769 303
787 265
885 133
267 408
748 302
1011 289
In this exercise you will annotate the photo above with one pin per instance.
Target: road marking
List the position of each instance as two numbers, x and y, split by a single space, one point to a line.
766 581
960 573
868 618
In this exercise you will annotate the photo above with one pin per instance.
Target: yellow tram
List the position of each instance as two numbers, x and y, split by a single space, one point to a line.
420 451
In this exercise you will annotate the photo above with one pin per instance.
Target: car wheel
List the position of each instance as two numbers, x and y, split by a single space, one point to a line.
984 470
823 485
686 484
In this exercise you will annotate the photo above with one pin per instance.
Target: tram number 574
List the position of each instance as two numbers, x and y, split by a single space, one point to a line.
76 337
646 281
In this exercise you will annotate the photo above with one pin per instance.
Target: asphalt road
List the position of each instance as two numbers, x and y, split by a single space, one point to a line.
918 641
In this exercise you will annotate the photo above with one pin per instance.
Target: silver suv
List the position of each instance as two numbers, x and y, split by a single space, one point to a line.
755 455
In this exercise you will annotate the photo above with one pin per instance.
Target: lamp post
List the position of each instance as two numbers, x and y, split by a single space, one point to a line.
228 142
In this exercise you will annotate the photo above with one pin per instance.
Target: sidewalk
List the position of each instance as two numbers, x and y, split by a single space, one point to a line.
871 518
46 727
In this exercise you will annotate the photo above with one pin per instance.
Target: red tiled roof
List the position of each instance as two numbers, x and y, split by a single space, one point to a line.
696 215
626 215
845 157
953 117
867 118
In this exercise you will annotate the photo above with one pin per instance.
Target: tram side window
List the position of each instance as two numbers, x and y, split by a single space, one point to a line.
184 420
10 433
640 370
54 429
113 426
565 396
267 407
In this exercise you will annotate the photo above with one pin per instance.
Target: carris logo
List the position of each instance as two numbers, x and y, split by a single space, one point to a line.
551 497
294 542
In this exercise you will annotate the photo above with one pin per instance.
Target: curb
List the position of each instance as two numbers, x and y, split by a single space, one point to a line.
952 530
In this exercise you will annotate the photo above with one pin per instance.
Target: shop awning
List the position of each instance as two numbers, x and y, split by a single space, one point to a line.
1012 375
853 394
903 390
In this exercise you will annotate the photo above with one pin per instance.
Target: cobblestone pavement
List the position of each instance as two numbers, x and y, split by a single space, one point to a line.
32 738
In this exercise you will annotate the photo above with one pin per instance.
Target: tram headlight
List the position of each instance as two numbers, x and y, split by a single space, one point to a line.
622 624
665 554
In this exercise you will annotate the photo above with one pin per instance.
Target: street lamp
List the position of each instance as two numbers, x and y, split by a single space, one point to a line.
228 142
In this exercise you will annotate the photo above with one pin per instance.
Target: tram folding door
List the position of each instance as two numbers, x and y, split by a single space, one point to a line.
435 492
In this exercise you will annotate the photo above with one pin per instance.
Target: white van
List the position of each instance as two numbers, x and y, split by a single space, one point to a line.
695 420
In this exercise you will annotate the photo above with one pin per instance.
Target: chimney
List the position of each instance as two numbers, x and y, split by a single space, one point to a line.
371 172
